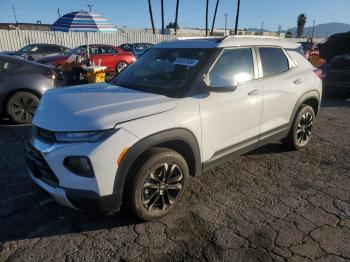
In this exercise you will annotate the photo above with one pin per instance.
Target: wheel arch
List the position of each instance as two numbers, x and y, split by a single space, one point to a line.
181 140
311 98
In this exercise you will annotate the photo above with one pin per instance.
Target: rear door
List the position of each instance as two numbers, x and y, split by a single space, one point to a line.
282 85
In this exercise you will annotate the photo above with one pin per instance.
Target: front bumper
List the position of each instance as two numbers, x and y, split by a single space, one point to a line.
46 169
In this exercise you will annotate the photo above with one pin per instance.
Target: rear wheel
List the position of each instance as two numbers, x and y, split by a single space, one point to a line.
301 130
21 107
159 184
121 66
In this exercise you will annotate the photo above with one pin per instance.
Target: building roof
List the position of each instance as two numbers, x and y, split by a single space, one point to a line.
229 41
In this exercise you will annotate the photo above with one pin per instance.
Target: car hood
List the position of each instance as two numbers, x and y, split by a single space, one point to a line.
96 107
52 58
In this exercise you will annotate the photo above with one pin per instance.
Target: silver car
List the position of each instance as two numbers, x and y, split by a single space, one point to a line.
22 83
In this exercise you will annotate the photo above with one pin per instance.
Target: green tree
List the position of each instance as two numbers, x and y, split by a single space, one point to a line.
301 24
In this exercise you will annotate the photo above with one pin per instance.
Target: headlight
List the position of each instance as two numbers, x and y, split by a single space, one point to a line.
90 136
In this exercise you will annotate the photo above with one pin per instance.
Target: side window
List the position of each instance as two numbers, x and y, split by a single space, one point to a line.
108 50
234 65
35 49
53 49
273 61
94 50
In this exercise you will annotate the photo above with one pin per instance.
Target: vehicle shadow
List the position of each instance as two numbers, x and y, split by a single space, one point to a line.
45 218
273 148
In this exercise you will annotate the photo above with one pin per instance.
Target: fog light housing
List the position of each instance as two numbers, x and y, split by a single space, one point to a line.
79 165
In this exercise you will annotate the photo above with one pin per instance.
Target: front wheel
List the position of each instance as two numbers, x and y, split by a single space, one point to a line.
21 107
159 184
301 130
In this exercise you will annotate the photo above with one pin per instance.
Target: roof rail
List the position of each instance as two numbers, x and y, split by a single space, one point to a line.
249 36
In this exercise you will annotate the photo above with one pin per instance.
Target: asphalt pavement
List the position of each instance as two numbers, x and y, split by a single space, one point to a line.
269 205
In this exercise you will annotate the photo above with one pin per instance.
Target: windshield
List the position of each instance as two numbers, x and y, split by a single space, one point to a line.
164 69
74 51
25 49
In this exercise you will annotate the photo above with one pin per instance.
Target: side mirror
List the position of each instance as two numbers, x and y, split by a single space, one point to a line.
220 84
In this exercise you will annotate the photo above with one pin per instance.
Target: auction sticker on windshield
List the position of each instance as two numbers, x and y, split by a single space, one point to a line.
186 61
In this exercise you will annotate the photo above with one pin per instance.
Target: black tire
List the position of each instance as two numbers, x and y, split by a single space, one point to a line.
121 66
299 135
152 195
21 106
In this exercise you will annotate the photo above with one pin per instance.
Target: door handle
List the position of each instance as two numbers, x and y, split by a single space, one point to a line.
298 82
254 92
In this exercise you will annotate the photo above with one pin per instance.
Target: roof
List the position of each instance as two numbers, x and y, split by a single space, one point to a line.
229 41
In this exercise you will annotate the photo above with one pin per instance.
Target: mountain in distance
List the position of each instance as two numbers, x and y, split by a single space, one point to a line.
323 30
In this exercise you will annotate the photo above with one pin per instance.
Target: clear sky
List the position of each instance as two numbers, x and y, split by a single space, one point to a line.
134 13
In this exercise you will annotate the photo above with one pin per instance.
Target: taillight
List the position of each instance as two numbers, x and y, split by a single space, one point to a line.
318 73
50 74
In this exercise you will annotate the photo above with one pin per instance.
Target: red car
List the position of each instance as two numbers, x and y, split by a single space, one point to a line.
114 58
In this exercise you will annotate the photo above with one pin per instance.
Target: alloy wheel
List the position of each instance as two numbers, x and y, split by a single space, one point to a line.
303 132
121 66
162 187
22 108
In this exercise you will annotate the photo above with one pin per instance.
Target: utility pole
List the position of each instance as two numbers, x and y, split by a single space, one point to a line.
176 15
206 18
59 13
162 10
237 16
90 7
216 9
262 28
151 15
14 13
225 23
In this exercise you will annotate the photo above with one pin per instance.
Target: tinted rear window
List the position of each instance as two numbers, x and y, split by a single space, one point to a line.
273 61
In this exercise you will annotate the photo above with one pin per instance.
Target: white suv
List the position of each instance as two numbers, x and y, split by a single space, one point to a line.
183 107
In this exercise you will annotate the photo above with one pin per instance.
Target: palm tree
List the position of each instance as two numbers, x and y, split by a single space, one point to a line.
176 15
206 18
151 15
216 9
237 16
162 10
301 24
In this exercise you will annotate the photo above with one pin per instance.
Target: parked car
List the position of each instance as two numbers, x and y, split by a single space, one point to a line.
22 83
183 108
138 48
114 58
336 75
37 51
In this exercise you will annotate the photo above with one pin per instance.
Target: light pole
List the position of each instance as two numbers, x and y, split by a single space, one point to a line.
225 23
237 16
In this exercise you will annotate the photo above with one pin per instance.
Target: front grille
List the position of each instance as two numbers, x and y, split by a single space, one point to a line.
39 167
44 135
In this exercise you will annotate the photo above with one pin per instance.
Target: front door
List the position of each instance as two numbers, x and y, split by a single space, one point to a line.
230 118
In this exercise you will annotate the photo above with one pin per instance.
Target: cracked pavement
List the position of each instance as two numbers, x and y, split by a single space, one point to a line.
269 205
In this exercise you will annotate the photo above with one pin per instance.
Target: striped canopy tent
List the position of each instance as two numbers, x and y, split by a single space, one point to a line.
83 21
